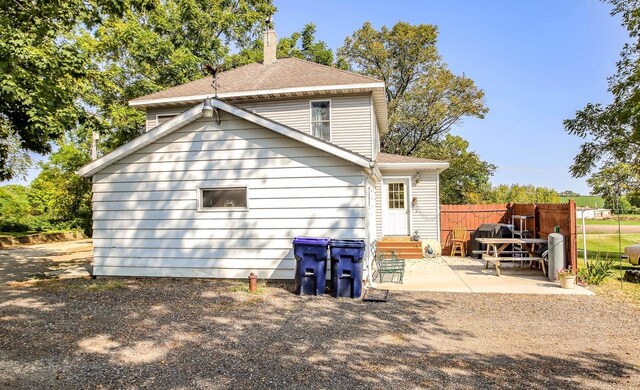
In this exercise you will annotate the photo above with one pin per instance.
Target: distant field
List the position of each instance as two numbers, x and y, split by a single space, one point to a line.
607 244
623 222
585 201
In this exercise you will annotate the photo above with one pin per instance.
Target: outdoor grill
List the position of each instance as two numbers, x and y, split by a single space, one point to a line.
488 230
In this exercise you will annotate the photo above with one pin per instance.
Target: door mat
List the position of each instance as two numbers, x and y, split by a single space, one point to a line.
375 295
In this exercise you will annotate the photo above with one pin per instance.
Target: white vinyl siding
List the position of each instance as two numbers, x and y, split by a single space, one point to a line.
424 217
375 134
146 221
351 119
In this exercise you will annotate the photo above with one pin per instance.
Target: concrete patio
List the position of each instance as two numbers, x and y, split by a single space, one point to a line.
455 274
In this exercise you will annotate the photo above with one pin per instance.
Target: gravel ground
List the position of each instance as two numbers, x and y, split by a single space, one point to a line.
183 334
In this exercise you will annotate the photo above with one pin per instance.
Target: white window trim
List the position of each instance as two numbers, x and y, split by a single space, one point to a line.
201 209
330 117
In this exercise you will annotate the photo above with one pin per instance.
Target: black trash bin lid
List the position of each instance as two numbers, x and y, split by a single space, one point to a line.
348 243
311 241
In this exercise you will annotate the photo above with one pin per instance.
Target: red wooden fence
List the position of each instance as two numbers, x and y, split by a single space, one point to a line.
562 215
471 216
544 219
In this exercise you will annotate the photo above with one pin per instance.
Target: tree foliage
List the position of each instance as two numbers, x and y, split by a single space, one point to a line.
612 132
15 208
524 194
40 69
303 45
614 182
467 178
149 49
14 160
425 99
57 194
569 193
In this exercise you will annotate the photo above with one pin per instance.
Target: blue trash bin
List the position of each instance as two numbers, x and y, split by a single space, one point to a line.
311 265
346 268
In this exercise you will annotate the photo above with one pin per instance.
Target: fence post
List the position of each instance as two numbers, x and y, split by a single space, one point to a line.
573 236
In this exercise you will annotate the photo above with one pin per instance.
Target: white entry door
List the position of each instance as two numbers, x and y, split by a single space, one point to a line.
395 207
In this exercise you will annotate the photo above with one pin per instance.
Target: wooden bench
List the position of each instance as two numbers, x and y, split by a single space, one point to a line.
484 252
387 263
497 260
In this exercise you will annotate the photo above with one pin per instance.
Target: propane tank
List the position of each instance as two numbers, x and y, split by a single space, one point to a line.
556 255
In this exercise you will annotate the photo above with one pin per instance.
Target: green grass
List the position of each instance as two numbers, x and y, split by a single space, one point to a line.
585 201
244 287
15 234
24 234
608 222
607 244
601 246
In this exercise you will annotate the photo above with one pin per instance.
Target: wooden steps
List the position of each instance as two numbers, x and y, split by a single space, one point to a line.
402 246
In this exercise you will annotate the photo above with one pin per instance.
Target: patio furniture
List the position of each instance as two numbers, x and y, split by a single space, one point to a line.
387 263
496 247
459 241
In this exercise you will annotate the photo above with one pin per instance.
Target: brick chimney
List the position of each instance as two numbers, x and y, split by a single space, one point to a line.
270 45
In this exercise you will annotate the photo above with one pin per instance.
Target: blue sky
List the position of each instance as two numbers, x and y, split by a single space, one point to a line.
537 61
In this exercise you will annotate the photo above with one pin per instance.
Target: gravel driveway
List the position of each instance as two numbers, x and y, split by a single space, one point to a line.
183 334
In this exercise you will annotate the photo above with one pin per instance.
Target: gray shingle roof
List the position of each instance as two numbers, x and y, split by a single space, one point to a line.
284 73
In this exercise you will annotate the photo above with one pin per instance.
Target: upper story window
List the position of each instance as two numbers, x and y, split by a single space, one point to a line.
321 119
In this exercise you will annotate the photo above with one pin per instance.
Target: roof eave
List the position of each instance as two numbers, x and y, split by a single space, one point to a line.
439 166
145 139
141 103
196 113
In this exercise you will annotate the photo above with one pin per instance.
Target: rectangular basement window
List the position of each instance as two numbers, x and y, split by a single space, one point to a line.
222 198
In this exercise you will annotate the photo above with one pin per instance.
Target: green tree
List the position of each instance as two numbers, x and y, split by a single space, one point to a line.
467 178
146 50
57 194
425 99
42 72
569 193
15 209
614 182
524 194
14 160
301 45
612 132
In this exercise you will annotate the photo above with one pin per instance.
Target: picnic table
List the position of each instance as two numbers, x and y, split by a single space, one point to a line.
497 246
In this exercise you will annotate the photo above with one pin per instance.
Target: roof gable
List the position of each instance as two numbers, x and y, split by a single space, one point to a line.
194 114
285 78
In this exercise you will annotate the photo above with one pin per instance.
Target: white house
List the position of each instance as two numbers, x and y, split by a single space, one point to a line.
593 213
224 179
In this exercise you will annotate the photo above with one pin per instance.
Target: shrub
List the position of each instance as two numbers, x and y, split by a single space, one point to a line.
596 271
